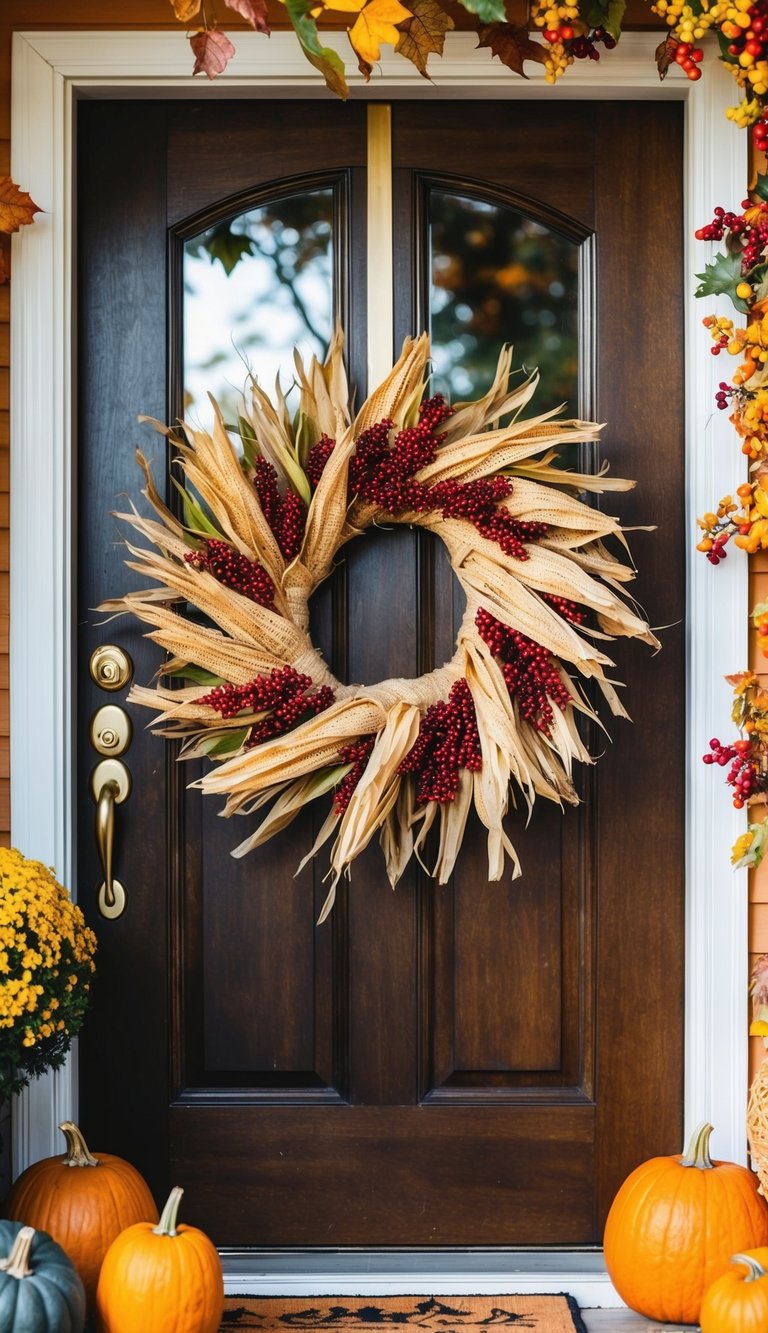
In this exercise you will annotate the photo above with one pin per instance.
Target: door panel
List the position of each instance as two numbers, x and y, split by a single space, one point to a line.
477 1064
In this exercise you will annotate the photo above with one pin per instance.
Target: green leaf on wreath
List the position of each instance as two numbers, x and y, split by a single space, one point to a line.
488 11
195 517
250 443
760 189
721 278
322 57
197 674
218 746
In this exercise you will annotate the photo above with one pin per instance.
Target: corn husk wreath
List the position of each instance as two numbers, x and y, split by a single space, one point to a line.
246 641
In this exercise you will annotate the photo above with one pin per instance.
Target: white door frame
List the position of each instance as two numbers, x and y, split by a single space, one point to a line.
51 70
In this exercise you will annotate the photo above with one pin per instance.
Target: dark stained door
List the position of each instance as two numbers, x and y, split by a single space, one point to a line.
479 1064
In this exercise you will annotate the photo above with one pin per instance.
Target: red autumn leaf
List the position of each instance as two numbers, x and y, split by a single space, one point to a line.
664 54
423 33
16 207
213 51
512 44
253 11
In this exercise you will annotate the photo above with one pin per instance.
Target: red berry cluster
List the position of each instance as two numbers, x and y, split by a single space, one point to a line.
448 741
717 551
585 46
317 458
689 57
722 222
724 393
760 132
478 501
384 475
357 754
569 610
718 346
235 571
285 514
529 671
744 773
282 694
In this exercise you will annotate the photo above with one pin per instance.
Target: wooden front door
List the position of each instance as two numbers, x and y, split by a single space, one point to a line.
479 1064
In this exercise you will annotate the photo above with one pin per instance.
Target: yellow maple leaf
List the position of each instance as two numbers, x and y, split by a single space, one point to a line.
185 9
348 6
376 24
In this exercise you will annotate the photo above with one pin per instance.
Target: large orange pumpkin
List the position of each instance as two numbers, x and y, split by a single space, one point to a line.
737 1302
82 1201
166 1279
673 1227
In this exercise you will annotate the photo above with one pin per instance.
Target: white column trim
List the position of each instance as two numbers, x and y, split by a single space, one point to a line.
49 70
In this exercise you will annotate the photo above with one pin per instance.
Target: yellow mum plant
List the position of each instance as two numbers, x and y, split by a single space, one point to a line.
46 963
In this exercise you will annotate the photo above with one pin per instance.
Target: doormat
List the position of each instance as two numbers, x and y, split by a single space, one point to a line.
435 1314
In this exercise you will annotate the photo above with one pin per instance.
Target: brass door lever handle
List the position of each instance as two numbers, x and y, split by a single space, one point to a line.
110 786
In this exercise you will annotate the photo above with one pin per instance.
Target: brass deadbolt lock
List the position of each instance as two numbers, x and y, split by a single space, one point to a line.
111 730
110 667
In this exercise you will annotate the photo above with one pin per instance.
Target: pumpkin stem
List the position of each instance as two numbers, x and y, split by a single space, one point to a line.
17 1263
697 1152
167 1224
756 1269
77 1148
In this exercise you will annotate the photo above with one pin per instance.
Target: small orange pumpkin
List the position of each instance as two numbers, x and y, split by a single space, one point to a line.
737 1302
673 1227
164 1277
82 1208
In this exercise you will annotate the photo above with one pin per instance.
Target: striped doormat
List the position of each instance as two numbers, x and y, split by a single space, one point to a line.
434 1314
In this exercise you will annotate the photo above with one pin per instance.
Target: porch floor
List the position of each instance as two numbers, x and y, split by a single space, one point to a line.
624 1321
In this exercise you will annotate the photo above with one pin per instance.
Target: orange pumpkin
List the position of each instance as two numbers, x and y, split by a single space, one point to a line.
163 1278
673 1227
82 1201
737 1302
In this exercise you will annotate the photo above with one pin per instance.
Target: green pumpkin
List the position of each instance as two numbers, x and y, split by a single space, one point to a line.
40 1289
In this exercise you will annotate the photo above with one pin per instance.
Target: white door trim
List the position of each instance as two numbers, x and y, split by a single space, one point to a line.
51 70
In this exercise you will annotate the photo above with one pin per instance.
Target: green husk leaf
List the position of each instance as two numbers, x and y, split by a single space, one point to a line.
305 435
218 746
195 517
196 673
250 443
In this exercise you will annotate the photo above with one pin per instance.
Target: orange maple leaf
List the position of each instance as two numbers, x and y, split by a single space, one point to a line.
376 24
213 51
16 207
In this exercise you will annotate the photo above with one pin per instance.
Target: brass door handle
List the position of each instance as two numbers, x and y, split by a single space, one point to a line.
110 786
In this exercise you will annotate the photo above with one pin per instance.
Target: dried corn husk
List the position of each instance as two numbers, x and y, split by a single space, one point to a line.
244 640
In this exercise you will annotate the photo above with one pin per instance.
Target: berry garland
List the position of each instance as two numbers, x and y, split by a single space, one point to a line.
263 523
570 30
741 273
